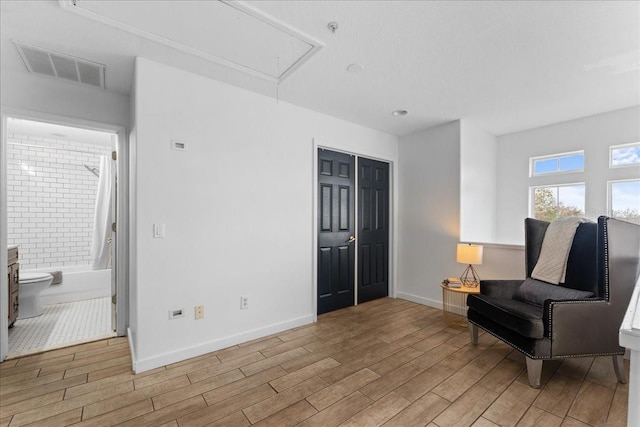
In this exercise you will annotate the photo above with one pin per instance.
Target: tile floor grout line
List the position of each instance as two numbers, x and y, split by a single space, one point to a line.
61 324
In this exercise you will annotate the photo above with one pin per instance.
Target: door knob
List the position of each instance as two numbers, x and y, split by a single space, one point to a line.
351 239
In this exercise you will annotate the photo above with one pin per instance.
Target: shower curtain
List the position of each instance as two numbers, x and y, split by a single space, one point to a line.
101 242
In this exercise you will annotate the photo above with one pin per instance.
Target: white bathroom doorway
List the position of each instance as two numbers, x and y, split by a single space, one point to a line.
60 200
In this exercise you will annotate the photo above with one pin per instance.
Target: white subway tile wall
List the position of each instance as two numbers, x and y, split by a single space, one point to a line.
51 199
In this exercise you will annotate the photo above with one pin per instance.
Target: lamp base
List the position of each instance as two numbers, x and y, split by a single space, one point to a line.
470 277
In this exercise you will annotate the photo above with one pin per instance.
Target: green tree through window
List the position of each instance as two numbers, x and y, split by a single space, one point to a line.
548 206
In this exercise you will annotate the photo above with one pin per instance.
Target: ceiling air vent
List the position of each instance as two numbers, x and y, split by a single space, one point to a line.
61 66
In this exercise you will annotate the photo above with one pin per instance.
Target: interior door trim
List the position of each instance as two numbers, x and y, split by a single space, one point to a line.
123 211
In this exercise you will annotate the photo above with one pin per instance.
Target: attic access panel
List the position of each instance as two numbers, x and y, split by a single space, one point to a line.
232 34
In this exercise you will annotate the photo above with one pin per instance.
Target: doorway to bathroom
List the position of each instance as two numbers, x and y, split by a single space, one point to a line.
61 202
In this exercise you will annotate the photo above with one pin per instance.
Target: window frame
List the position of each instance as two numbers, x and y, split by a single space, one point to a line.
610 194
557 156
532 192
613 147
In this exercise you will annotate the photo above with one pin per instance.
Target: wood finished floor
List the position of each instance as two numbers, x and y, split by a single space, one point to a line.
388 362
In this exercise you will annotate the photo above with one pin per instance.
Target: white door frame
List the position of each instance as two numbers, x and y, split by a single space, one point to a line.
122 218
393 226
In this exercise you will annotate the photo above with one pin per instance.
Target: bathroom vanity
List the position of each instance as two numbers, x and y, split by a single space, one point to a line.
13 276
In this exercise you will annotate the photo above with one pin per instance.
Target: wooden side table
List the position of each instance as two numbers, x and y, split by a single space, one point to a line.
454 305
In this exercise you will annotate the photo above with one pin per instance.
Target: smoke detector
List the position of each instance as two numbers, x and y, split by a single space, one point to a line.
60 66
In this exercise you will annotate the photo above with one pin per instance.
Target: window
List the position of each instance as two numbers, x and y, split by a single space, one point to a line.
556 201
557 163
624 155
624 200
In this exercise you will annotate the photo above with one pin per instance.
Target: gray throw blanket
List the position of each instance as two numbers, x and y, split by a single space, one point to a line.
552 263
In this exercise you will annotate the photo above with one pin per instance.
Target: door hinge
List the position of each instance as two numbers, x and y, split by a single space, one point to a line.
113 227
114 155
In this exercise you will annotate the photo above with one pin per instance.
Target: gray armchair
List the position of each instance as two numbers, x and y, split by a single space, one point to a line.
580 317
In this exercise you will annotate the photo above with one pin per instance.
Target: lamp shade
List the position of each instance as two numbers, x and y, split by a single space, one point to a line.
469 254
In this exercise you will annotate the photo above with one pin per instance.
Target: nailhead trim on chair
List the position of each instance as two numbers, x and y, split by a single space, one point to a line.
543 358
606 259
551 304
606 289
502 339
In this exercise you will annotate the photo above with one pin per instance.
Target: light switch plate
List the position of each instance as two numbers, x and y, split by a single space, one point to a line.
158 231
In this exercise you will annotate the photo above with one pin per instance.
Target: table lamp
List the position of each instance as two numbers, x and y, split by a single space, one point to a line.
469 254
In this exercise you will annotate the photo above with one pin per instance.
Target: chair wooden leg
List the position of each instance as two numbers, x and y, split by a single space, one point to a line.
473 333
534 371
618 366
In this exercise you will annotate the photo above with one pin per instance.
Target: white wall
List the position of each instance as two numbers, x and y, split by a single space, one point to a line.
592 134
478 184
132 291
479 205
237 207
429 212
24 91
502 262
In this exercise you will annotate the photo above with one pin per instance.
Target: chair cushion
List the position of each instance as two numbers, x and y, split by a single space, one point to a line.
536 292
519 316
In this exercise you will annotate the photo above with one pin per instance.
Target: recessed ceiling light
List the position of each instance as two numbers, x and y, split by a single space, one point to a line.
355 68
59 135
400 113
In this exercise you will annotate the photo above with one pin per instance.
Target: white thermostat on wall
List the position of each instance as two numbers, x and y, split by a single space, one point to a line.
178 145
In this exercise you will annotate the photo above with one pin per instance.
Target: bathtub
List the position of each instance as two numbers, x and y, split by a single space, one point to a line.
78 283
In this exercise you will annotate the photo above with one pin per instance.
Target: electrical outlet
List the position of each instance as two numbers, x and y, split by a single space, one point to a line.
244 303
174 314
199 312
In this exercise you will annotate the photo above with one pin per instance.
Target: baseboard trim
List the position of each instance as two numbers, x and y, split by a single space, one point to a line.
210 346
420 300
132 349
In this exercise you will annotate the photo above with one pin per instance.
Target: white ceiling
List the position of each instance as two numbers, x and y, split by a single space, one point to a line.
261 45
505 66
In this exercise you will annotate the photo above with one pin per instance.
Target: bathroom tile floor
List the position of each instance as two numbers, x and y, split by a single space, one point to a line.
62 325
